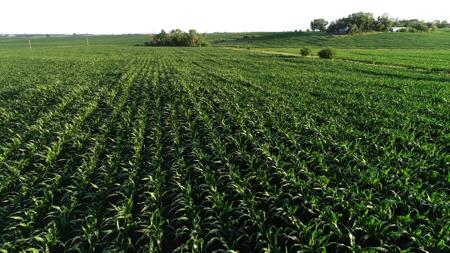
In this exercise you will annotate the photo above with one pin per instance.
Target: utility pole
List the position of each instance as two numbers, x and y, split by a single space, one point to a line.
29 43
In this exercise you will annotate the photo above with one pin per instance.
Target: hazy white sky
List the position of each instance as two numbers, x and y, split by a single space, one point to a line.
143 16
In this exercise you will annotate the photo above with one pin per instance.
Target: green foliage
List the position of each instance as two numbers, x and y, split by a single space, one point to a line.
441 24
383 24
319 25
418 26
360 22
339 26
178 38
327 53
305 51
415 25
126 149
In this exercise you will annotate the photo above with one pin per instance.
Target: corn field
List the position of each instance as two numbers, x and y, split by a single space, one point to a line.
214 150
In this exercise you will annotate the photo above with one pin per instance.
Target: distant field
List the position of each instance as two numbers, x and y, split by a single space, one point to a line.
123 148
436 60
426 51
435 40
103 40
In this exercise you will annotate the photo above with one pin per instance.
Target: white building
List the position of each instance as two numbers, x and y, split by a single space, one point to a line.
396 29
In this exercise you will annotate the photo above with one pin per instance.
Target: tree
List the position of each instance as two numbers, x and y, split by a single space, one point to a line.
442 24
339 26
420 26
432 26
319 25
383 23
161 39
361 22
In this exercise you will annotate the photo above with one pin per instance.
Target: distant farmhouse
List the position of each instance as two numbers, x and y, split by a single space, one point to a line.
397 29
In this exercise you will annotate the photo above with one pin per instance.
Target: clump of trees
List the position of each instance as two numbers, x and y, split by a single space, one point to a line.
415 25
442 24
340 26
383 24
179 38
319 25
412 25
362 22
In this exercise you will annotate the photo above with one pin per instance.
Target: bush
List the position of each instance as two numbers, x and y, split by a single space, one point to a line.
327 53
305 51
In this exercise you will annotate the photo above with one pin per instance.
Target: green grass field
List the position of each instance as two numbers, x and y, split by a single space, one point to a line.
72 41
434 40
122 148
424 60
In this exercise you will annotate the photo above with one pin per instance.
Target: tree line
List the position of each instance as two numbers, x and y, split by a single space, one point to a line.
361 22
179 38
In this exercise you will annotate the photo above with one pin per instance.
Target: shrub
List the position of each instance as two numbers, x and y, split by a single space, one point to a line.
305 51
327 53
